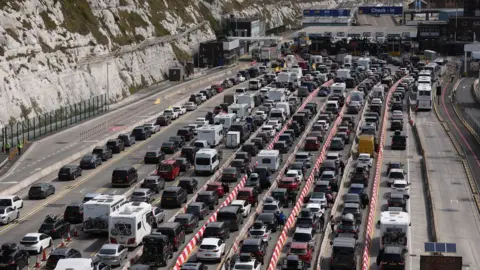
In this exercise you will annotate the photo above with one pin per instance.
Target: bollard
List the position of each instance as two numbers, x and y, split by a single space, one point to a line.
62 244
37 263
75 232
44 255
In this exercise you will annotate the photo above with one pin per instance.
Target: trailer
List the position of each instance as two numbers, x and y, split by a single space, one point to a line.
213 134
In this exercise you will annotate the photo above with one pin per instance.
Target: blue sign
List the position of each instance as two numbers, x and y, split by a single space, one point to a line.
380 10
326 13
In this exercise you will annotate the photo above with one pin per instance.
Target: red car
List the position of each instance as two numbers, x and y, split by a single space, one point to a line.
218 88
344 129
248 194
217 187
304 251
289 183
168 169
312 144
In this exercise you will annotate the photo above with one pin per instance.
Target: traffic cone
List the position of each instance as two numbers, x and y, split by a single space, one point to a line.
44 255
62 244
37 263
69 238
75 232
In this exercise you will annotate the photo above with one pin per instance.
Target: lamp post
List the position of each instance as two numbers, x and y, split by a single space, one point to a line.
108 87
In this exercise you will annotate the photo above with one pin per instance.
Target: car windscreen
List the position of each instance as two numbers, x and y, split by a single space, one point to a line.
249 248
396 175
5 202
302 237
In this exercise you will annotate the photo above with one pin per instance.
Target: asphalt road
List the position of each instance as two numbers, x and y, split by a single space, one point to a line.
98 180
286 211
320 235
60 146
418 232
457 216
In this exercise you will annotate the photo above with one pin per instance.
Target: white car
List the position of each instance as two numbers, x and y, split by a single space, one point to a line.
249 264
276 124
260 230
152 127
270 130
315 208
365 159
397 115
8 214
395 174
400 187
324 123
246 207
201 121
36 242
241 90
170 112
376 101
211 249
294 174
180 109
13 200
190 106
262 114
240 78
194 126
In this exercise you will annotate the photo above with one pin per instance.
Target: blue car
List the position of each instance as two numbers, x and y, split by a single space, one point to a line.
324 91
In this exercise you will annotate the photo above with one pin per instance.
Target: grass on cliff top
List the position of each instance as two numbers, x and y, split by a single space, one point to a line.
79 18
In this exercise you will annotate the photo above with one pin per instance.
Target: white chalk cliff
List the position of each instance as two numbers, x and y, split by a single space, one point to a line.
55 53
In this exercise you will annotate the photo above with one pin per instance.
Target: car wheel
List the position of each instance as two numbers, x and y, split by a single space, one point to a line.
95 165
18 215
74 177
8 221
21 205
50 244
40 250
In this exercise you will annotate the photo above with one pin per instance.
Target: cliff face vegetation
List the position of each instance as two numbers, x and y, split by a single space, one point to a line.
56 52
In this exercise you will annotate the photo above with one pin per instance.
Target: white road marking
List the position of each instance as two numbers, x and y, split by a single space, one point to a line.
12 182
453 201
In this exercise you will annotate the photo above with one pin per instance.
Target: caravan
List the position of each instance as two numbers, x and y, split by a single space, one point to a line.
226 119
394 227
213 134
241 110
96 212
130 224
343 73
277 95
338 89
248 99
270 159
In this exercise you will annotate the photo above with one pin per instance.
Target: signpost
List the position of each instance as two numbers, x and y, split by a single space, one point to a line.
326 13
394 10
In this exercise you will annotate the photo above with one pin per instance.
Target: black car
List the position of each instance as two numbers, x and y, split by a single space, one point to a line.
141 133
230 174
217 230
153 182
169 147
127 139
209 198
178 140
61 253
175 233
189 184
396 125
198 209
69 172
154 156
157 249
54 226
41 191
116 145
255 247
90 161
103 152
12 257
189 222
74 213
337 144
186 133
268 219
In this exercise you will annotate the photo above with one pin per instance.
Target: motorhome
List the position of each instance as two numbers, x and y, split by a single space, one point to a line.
207 161
365 62
277 95
424 80
130 224
394 227
283 78
347 60
96 212
343 73
338 89
213 134
248 99
226 119
241 110
270 159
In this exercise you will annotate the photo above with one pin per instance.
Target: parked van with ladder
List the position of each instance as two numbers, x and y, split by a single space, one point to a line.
96 212
130 224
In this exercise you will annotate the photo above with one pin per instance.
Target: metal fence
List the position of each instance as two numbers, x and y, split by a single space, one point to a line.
44 124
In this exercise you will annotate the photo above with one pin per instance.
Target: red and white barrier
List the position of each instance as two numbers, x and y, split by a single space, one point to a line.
376 182
253 63
293 215
190 247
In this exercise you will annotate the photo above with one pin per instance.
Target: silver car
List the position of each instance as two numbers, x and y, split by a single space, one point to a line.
142 195
152 127
8 213
113 254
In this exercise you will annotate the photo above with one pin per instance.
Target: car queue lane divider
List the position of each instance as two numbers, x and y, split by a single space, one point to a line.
296 209
376 182
243 232
191 246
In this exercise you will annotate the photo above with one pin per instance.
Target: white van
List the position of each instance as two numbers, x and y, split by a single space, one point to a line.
130 224
270 159
279 114
285 106
207 161
213 134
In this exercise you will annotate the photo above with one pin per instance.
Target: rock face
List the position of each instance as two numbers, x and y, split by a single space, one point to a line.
55 53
